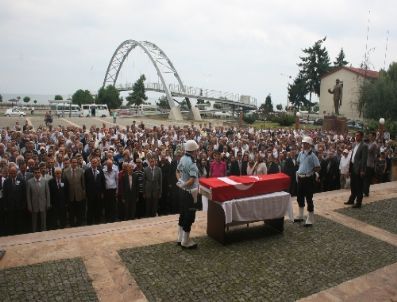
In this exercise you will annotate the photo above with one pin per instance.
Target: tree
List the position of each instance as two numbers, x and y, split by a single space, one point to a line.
279 107
138 96
1 98
313 66
26 99
35 101
340 59
297 92
82 97
58 97
378 98
163 102
268 104
109 96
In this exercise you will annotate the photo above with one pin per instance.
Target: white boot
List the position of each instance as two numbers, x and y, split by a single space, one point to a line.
186 242
180 232
300 217
310 219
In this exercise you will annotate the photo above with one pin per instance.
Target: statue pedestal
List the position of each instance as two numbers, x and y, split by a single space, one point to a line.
335 123
175 114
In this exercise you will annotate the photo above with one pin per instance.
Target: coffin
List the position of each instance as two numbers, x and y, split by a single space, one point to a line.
234 187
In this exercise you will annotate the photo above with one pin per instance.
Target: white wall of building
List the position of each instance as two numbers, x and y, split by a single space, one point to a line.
351 87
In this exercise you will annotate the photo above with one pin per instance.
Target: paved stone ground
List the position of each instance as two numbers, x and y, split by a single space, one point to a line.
63 280
382 214
270 268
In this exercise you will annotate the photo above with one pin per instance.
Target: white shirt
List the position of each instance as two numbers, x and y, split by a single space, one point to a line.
110 179
344 164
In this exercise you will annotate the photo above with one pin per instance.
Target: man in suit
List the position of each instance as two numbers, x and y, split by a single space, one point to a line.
358 164
111 179
372 156
130 192
164 203
152 187
38 199
74 175
236 166
14 196
59 191
95 187
23 173
290 168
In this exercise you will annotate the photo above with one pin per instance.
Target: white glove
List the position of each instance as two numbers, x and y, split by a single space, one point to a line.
181 184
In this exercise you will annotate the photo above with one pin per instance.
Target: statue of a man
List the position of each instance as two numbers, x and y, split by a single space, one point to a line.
337 92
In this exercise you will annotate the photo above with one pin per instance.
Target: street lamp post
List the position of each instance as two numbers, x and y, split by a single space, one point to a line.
298 115
381 128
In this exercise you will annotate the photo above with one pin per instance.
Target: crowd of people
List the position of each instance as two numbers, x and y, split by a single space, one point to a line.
56 177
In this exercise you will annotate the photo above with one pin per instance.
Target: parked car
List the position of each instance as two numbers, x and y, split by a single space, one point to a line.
318 121
15 111
222 114
355 124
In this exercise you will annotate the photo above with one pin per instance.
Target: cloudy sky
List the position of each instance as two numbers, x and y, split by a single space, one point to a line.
248 47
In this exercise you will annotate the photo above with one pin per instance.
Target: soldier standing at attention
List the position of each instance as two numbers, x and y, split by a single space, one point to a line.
187 175
305 177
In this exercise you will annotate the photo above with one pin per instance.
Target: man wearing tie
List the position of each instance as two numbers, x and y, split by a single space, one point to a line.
95 187
152 187
358 164
130 193
59 190
111 180
38 198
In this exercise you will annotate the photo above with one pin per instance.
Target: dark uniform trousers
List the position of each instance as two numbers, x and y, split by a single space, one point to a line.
187 210
305 189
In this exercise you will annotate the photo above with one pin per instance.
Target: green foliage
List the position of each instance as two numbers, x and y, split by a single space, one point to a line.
35 101
137 97
297 92
82 97
1 98
250 119
26 99
284 119
379 97
163 102
340 59
200 101
58 97
316 107
109 96
217 106
314 64
279 107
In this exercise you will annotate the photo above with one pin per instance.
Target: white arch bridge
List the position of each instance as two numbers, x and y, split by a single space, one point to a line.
163 65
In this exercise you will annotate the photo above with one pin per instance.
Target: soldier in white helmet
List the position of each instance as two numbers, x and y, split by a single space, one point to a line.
309 166
187 175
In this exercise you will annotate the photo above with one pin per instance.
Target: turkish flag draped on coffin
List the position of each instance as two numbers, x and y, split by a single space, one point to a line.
234 187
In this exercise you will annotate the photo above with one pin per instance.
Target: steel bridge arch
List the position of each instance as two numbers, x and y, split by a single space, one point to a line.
159 59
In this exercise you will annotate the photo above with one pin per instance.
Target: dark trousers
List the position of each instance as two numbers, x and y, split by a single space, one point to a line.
187 210
140 206
305 188
110 205
17 222
59 216
94 209
369 174
356 188
151 205
76 212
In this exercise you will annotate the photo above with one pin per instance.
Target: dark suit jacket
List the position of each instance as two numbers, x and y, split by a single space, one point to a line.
14 195
173 180
94 186
152 184
59 196
234 169
360 159
130 193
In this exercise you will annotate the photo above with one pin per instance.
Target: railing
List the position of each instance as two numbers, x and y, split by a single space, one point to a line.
197 92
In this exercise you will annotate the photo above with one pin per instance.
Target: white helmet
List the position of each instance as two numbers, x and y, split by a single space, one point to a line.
191 145
307 139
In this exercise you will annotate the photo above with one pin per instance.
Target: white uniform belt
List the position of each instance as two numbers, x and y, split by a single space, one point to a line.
305 175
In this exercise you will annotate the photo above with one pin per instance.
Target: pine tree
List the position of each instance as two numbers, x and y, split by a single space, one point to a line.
297 92
340 59
314 65
137 97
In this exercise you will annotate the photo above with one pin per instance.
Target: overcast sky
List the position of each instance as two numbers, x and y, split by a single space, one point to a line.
247 47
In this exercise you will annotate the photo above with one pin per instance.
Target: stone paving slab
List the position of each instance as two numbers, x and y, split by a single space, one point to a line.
63 280
286 267
382 214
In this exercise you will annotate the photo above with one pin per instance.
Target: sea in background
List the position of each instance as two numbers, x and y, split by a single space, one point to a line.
41 98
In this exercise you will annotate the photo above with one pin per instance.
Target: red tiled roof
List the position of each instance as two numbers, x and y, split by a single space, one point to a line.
362 72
